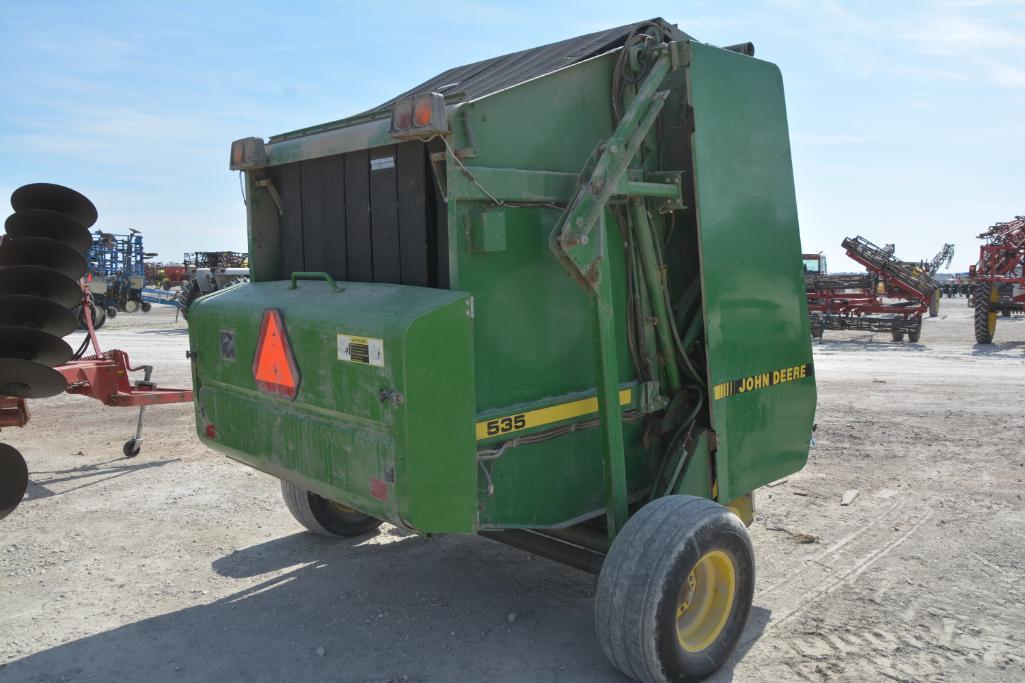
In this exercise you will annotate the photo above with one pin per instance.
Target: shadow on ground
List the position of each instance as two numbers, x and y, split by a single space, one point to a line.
169 331
997 348
404 609
40 481
868 342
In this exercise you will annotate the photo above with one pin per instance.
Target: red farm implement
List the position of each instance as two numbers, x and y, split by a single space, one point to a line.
999 276
891 297
42 264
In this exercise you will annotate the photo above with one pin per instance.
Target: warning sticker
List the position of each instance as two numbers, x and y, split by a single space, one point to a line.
364 350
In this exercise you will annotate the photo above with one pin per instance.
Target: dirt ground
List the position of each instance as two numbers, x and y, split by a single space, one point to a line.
182 565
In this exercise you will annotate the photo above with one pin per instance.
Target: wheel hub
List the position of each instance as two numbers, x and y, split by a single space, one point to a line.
706 601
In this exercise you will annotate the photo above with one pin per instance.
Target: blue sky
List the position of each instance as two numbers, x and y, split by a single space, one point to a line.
907 119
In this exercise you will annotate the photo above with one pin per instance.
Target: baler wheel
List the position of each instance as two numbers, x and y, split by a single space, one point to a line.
985 318
897 333
675 591
325 517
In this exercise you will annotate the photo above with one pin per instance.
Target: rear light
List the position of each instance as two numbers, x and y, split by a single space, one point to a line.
211 431
402 115
422 112
419 116
247 153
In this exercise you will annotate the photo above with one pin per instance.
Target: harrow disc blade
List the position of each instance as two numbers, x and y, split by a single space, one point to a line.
35 345
50 224
13 479
55 198
41 251
21 310
26 379
41 282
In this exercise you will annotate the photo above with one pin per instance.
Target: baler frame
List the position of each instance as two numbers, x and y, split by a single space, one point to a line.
492 349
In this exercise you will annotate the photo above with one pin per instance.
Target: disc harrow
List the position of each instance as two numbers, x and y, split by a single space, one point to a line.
42 262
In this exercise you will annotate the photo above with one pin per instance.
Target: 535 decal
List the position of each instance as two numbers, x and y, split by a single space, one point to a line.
503 425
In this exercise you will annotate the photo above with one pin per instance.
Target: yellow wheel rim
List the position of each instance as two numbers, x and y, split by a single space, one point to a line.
991 319
338 507
706 601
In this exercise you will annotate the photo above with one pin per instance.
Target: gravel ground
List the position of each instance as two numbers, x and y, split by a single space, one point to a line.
182 565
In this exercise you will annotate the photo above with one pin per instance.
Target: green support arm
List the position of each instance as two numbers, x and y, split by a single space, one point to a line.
585 258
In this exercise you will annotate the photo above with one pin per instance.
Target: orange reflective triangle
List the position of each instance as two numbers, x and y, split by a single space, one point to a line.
274 366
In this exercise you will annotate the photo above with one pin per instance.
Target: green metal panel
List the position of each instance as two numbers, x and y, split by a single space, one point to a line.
322 141
395 441
533 333
756 319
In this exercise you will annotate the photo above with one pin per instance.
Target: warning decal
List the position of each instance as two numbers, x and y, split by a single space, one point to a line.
274 368
763 380
363 350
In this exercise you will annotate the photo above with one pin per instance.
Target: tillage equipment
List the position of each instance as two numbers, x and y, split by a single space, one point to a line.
42 263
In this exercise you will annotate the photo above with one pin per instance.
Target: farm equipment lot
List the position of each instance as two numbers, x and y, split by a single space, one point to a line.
182 565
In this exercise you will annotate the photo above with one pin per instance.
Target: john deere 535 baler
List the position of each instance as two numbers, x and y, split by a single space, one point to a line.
554 298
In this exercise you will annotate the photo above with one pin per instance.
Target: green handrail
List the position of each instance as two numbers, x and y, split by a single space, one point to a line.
313 275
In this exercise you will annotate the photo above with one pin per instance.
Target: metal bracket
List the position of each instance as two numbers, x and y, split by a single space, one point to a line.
268 184
673 179
650 398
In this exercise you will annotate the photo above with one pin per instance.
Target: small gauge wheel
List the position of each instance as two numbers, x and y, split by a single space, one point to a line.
131 448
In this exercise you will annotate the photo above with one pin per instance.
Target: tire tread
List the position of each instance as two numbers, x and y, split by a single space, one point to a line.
636 567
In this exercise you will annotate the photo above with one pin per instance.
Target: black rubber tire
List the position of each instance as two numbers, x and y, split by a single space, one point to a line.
146 306
915 334
981 295
897 334
641 582
1005 314
131 448
189 293
99 316
111 312
323 517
